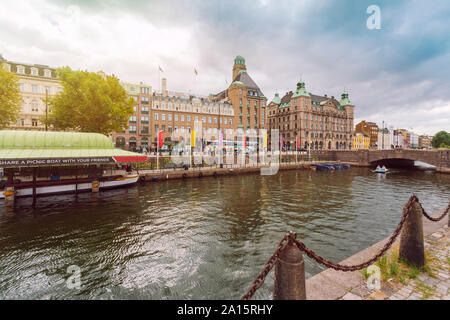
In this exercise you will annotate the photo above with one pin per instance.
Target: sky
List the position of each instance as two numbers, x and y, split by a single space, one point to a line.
398 73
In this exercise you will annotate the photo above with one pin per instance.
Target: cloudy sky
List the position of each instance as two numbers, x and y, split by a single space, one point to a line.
399 73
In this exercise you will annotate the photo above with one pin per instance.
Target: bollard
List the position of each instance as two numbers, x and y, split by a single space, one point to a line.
411 239
290 274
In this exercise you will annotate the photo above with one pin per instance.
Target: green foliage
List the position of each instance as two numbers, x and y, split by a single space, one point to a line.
441 140
89 103
10 99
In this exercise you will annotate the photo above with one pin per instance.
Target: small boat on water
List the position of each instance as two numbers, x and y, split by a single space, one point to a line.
381 169
330 167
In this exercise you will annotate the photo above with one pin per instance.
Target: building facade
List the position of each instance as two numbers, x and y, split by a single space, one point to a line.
425 142
318 122
385 139
247 99
371 129
361 141
37 83
177 113
137 136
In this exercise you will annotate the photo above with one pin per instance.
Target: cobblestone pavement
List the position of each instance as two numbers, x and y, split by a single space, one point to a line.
424 287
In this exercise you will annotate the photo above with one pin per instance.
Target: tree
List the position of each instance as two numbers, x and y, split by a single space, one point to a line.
89 103
10 98
441 138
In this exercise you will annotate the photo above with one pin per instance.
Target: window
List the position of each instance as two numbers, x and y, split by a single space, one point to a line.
48 73
144 130
204 119
240 91
34 106
224 120
144 100
176 117
209 120
163 117
144 109
156 116
48 90
34 71
20 70
21 87
182 117
34 122
231 121
132 129
169 116
34 88
156 128
188 118
144 90
170 129
144 119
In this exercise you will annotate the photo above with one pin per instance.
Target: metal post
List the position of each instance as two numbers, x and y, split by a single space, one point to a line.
34 187
9 193
411 239
290 274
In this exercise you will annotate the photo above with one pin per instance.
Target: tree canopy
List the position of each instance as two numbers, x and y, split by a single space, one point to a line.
10 98
89 103
441 140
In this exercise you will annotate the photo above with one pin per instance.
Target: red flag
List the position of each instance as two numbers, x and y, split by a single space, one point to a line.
298 142
160 138
245 142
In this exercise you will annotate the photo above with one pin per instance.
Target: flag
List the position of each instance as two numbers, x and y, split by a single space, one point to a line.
160 138
160 68
298 142
193 138
282 144
265 140
221 140
245 142
195 71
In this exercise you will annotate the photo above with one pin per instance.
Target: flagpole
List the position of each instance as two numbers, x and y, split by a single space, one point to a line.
296 142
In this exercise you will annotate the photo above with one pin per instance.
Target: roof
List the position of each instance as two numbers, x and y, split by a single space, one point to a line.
301 91
248 82
43 148
276 99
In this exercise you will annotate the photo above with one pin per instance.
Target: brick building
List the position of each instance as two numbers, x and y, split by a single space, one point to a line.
370 129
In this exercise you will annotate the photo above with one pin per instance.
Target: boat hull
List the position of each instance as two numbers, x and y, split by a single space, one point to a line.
73 187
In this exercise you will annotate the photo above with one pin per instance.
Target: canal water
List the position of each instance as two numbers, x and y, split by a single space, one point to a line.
199 238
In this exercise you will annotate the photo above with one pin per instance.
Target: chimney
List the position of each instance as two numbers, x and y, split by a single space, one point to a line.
164 86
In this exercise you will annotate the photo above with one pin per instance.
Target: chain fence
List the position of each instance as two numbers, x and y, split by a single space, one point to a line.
291 238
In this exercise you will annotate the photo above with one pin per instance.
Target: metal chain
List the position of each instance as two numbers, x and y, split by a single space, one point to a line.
407 209
446 210
259 280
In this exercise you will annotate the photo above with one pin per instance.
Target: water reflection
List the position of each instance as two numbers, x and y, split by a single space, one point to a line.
203 238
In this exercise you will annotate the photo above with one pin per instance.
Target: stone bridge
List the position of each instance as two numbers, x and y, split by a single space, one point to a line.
396 157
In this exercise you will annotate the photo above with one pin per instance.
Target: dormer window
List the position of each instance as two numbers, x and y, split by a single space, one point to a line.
20 70
34 71
47 73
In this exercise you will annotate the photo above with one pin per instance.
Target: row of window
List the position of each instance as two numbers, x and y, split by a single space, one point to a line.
33 71
188 108
188 118
188 129
26 87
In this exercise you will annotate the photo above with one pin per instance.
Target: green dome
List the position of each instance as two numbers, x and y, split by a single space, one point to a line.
10 139
276 99
239 60
345 101
242 71
301 90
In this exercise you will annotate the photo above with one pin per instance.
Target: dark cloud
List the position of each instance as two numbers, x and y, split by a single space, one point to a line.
388 72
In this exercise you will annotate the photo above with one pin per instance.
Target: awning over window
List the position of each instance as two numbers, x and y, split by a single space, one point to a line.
42 149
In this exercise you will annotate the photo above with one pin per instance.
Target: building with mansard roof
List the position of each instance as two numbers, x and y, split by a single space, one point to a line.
248 101
318 122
